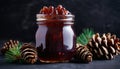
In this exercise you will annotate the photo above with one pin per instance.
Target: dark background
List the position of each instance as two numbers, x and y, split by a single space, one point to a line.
18 17
18 21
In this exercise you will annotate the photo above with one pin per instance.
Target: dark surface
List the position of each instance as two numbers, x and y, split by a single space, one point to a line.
96 64
18 17
104 64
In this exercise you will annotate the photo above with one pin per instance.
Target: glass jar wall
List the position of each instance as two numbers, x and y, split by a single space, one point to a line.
55 38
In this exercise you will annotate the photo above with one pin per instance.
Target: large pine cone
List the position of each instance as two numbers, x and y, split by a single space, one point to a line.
118 44
83 54
29 53
105 47
8 45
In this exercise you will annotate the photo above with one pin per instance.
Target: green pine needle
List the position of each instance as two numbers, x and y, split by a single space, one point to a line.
13 54
85 36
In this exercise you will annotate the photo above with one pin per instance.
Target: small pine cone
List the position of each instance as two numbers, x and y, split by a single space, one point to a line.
104 47
83 54
29 53
8 45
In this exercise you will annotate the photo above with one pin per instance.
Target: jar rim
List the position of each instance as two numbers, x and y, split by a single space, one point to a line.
44 17
54 14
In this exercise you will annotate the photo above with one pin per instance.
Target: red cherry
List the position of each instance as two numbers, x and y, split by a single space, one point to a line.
51 10
59 10
59 7
63 11
56 11
44 10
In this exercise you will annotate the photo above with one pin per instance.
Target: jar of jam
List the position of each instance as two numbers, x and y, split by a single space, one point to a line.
55 38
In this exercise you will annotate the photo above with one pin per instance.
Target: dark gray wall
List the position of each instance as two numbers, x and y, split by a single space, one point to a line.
17 17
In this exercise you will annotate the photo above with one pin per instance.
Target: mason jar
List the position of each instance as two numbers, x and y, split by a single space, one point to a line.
55 38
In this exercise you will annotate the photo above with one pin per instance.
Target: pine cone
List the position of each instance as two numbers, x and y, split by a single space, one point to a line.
8 45
29 53
104 47
118 44
83 54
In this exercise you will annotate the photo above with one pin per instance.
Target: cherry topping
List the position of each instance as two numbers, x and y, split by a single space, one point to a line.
59 10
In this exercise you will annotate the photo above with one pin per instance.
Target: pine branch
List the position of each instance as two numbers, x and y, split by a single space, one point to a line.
13 54
85 36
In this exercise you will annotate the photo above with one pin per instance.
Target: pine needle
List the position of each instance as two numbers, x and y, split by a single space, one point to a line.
13 54
85 36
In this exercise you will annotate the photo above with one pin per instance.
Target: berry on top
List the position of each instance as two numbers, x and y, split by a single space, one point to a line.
59 10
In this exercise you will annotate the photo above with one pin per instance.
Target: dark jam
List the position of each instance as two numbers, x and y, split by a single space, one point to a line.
55 38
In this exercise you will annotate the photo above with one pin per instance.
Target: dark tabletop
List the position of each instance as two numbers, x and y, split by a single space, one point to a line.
106 64
95 64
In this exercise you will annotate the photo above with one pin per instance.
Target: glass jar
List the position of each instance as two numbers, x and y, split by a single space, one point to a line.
55 38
